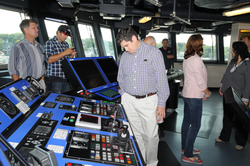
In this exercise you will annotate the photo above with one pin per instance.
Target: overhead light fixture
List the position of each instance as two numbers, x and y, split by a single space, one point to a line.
144 19
67 3
170 22
221 23
154 2
205 29
237 11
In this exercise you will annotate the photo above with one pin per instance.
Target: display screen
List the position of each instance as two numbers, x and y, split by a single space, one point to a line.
42 129
89 118
88 73
109 68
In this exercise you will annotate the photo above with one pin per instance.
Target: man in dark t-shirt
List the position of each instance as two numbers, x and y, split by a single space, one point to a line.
167 53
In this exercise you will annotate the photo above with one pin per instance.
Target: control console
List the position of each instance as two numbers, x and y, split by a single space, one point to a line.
99 148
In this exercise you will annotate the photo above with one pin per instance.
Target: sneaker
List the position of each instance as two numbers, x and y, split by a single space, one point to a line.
238 147
195 151
188 160
218 140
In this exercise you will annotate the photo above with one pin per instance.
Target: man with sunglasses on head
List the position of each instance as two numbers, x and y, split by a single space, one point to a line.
56 50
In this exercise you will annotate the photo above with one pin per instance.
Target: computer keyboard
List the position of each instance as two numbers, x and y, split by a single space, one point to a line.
110 93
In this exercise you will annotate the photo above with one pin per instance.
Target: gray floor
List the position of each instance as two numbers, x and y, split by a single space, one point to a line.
212 154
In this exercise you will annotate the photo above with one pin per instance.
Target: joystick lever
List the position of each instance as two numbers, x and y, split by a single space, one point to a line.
125 129
123 135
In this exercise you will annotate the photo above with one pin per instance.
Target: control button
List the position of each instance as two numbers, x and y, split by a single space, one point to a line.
93 137
103 138
97 137
97 146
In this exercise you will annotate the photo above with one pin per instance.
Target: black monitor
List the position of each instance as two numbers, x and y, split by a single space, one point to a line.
238 107
109 68
83 73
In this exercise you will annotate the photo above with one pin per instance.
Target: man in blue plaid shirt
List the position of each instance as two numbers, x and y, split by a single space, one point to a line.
144 90
56 50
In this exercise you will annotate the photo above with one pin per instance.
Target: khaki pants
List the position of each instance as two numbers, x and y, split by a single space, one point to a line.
141 115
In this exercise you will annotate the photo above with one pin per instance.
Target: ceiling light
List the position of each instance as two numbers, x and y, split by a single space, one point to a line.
237 11
154 2
221 23
144 19
169 23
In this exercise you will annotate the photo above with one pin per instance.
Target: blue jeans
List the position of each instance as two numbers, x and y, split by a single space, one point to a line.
59 87
191 124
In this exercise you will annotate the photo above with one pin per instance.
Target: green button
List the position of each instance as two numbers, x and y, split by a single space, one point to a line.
71 120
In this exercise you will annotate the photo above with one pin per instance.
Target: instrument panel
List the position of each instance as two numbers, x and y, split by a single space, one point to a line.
55 121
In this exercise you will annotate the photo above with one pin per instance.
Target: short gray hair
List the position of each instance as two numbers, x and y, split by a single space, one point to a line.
26 24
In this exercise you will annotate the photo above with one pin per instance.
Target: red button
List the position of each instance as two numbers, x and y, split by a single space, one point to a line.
69 164
81 93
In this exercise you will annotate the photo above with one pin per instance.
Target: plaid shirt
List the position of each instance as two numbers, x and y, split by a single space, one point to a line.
143 73
53 47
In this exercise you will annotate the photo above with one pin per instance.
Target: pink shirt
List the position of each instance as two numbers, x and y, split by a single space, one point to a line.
195 77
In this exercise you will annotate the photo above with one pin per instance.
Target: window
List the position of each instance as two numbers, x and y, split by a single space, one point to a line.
88 40
159 37
52 27
9 34
226 42
209 46
108 42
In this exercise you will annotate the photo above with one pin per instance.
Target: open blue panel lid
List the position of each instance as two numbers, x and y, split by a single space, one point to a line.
109 68
11 107
89 76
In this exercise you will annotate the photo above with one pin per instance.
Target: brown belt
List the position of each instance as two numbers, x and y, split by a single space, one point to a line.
141 97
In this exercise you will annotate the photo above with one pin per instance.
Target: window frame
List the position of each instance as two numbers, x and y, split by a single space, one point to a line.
112 37
12 9
61 22
94 33
217 60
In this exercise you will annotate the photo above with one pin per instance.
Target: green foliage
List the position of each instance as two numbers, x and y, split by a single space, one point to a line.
12 38
209 52
158 45
88 43
1 45
69 41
